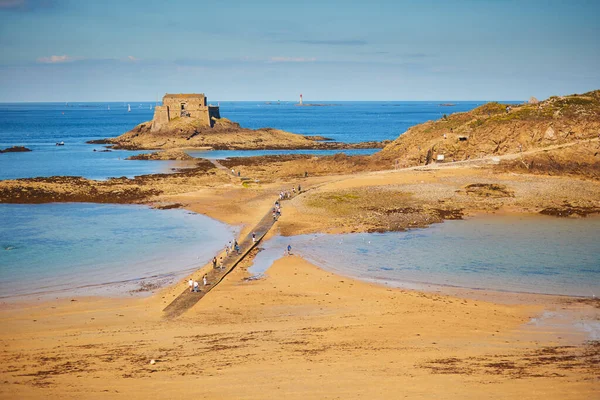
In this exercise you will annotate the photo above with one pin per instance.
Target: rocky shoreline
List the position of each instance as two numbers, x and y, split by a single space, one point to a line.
141 189
387 201
167 155
185 133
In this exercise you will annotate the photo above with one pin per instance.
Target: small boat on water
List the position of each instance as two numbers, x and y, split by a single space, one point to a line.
60 143
128 108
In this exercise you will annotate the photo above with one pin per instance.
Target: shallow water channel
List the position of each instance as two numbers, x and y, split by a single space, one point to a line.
531 254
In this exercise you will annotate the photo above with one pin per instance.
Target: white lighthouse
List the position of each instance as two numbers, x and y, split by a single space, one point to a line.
300 98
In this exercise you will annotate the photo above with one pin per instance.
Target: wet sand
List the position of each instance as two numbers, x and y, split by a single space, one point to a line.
300 333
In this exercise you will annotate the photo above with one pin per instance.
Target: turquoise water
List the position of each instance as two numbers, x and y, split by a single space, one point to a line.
77 160
518 254
99 248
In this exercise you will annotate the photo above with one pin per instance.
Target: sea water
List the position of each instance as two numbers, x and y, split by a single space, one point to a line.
222 154
345 121
39 126
87 248
519 254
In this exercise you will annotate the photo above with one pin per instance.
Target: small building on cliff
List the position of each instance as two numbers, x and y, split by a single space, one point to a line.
189 105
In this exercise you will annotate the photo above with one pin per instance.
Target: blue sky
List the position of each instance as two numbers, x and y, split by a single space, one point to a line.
87 50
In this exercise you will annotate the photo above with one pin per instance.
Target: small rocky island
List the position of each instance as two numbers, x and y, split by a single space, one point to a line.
188 121
15 149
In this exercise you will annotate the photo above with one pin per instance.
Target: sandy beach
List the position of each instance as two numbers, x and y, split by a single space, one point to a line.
299 332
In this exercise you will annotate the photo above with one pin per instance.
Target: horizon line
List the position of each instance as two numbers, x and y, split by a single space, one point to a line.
256 101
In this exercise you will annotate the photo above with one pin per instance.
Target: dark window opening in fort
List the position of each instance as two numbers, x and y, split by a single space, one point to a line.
184 112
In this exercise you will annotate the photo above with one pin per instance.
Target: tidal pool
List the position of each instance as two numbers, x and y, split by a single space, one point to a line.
101 248
519 254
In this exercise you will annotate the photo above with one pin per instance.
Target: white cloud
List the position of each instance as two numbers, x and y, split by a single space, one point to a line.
292 59
55 59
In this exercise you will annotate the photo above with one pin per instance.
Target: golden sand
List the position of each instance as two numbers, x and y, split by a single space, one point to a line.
301 332
298 333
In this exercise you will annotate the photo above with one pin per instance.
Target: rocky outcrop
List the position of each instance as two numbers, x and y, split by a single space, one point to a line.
167 155
115 190
224 135
495 129
581 160
15 149
72 189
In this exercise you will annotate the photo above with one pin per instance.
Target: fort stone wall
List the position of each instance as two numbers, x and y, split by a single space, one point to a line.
184 106
161 118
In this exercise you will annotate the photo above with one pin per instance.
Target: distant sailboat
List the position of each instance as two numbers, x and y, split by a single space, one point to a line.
128 108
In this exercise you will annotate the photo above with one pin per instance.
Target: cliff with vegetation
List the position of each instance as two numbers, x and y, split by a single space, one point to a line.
224 135
496 129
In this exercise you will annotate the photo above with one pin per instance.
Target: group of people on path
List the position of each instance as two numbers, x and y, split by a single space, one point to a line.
288 194
234 245
231 247
195 286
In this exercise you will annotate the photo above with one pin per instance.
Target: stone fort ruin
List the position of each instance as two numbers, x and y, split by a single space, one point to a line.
190 105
